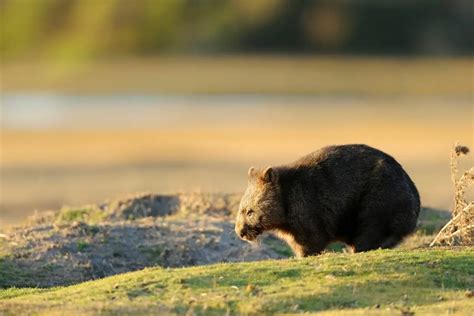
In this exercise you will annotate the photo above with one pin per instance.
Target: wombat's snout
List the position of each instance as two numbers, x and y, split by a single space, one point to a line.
246 233
239 230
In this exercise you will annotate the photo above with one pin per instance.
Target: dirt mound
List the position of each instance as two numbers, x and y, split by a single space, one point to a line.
77 244
146 206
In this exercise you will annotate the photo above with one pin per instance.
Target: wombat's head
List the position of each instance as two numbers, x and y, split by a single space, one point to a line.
260 208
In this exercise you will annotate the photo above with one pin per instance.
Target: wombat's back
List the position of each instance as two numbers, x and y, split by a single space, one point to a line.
353 193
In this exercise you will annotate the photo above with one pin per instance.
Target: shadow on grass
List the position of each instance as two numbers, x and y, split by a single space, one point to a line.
87 253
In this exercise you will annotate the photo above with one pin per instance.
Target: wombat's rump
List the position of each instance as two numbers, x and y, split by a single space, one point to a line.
350 193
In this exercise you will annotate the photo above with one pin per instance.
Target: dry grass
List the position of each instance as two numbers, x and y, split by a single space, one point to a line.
460 229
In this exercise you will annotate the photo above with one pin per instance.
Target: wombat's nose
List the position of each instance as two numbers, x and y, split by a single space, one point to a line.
239 230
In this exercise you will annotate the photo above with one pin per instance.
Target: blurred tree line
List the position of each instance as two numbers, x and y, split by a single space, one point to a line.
104 28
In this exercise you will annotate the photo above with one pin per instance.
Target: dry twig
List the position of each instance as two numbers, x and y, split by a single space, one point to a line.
460 229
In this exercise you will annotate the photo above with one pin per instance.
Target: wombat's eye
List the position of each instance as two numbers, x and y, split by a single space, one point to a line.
250 213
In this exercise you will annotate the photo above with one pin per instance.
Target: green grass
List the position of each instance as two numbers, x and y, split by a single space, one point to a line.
89 214
9 271
432 220
383 281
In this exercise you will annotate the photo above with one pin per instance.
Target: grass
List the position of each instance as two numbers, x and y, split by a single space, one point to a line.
383 281
432 220
90 214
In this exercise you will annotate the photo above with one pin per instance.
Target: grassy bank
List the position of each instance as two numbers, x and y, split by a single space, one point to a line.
389 281
78 244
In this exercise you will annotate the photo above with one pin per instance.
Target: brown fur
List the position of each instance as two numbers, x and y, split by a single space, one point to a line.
350 193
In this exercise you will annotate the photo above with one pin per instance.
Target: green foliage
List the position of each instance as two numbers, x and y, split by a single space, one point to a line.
10 271
154 253
432 220
82 245
421 280
24 24
13 292
84 29
88 214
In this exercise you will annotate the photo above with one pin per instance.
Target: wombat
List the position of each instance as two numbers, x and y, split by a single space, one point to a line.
355 194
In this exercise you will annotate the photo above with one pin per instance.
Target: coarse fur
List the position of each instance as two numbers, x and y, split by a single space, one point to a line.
355 194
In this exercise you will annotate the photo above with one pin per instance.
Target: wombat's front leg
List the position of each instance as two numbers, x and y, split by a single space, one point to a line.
298 250
308 250
303 248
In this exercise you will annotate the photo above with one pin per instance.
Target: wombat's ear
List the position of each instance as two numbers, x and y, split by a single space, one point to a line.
269 175
251 172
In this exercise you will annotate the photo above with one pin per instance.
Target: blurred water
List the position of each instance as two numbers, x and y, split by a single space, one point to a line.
143 111
154 111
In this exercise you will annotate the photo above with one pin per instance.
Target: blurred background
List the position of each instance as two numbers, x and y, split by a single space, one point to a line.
104 98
